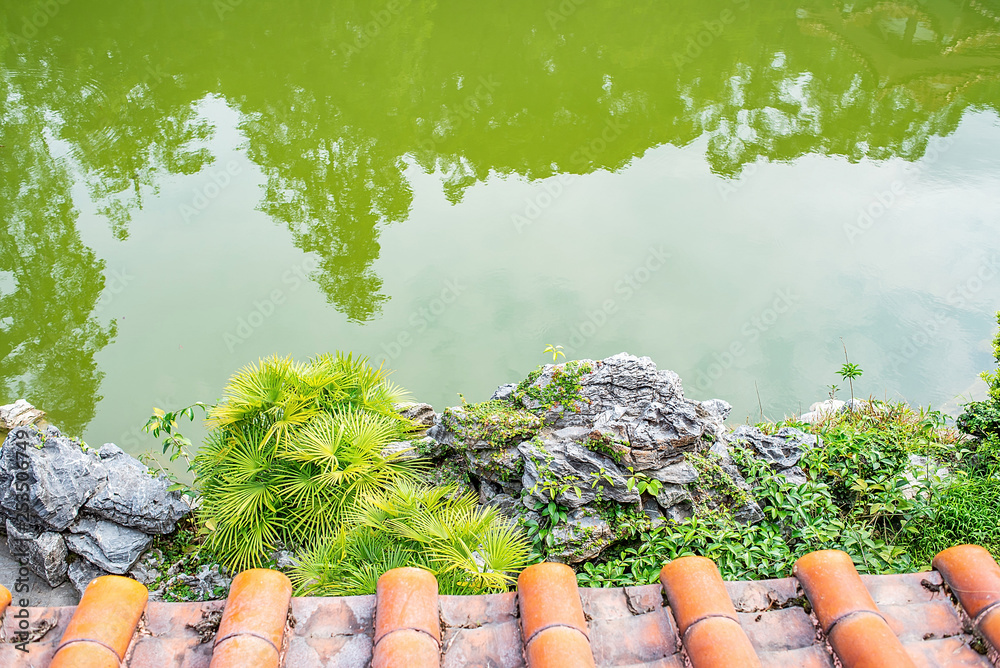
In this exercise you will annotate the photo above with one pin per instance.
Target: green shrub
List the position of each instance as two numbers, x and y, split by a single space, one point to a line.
859 500
982 418
469 548
292 448
295 458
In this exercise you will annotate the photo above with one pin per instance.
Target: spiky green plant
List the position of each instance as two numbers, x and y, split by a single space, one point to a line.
292 448
469 548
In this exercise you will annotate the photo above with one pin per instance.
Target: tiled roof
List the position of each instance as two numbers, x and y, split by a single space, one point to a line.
825 615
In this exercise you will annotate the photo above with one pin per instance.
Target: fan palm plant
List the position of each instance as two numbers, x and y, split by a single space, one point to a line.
292 448
470 549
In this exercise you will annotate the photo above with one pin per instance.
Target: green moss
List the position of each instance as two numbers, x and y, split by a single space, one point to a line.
496 422
607 446
712 478
562 391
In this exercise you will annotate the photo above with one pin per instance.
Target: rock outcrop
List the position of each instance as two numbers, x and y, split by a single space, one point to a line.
590 435
57 497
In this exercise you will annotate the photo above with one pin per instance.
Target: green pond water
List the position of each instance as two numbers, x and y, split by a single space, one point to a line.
729 187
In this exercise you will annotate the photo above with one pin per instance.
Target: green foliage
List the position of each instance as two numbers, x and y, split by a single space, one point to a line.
858 499
181 553
470 549
643 484
496 422
555 350
163 422
711 476
561 392
293 447
993 377
848 372
982 418
607 446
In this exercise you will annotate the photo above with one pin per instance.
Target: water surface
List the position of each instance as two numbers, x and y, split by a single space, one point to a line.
728 187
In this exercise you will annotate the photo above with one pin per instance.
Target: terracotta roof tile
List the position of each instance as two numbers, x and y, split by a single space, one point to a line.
253 622
103 625
886 620
553 627
974 577
407 621
710 630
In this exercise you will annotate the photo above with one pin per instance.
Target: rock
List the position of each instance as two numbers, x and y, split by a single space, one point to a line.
652 509
828 406
60 477
504 392
717 408
488 427
584 535
562 463
578 434
679 513
854 405
106 544
44 552
19 414
821 410
82 573
670 495
680 473
657 434
505 503
147 570
783 450
133 497
501 467
921 474
284 559
422 414
406 450
626 399
794 475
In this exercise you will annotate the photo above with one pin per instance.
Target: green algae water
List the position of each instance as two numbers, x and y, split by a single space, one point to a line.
729 187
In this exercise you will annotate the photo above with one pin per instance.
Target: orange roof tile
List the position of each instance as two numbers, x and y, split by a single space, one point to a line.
826 615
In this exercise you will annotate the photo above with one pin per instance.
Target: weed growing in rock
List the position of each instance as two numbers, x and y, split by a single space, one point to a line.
562 391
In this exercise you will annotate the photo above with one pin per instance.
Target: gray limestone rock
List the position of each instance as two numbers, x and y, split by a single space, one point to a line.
44 552
461 429
718 408
564 463
45 478
500 467
108 545
422 414
82 573
783 450
584 535
135 498
680 473
670 495
402 450
504 392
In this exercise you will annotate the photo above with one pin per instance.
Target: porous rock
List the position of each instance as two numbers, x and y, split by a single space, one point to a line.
565 463
781 451
584 535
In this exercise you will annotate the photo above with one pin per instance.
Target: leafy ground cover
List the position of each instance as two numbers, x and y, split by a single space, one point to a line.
863 496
